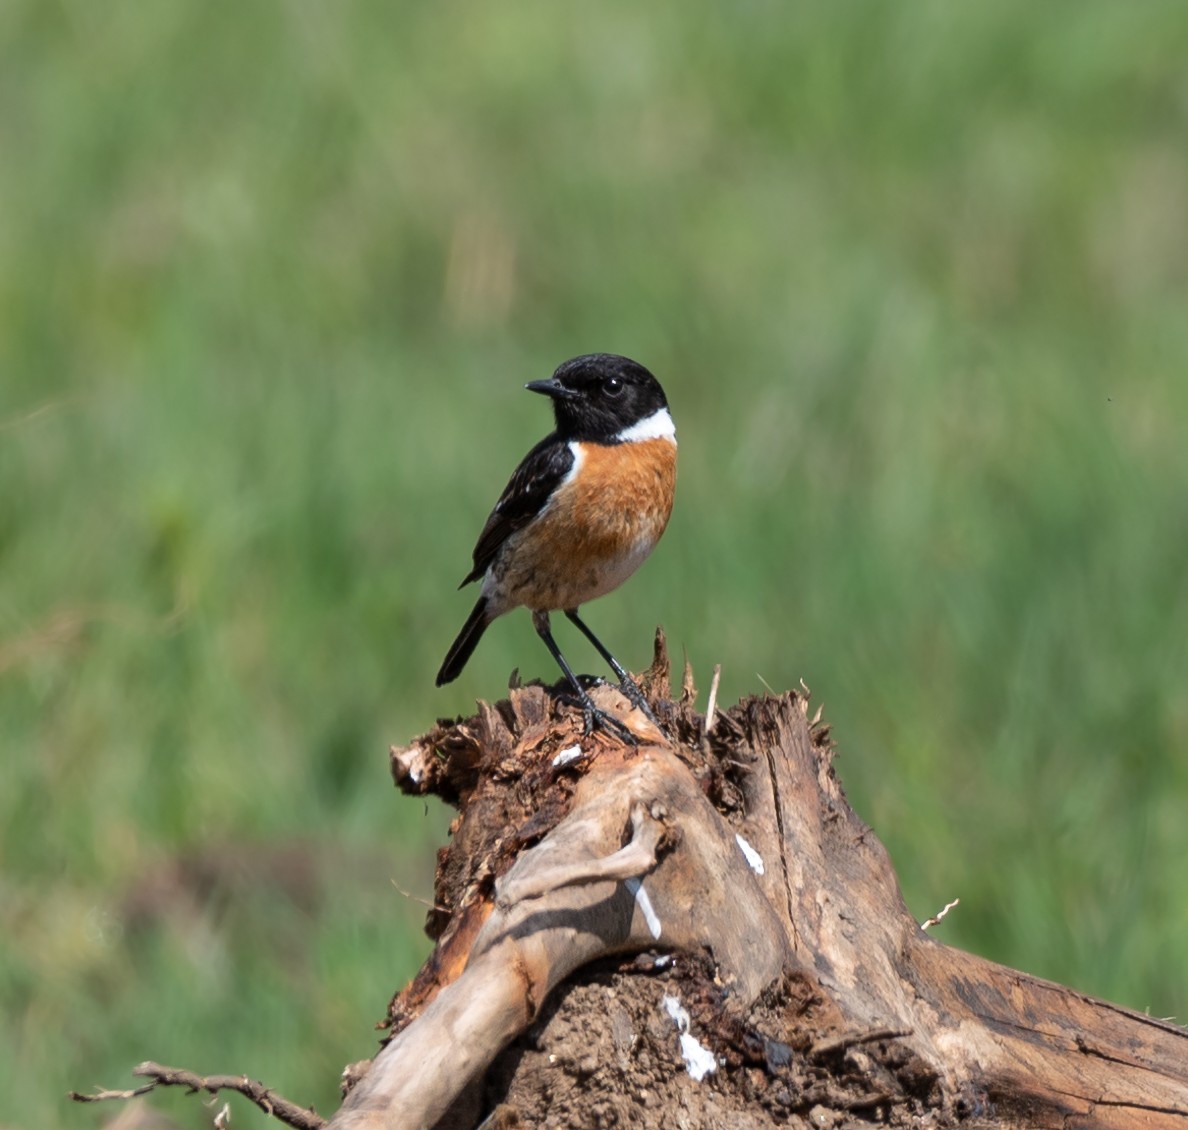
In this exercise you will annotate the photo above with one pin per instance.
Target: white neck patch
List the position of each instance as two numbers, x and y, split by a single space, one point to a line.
658 425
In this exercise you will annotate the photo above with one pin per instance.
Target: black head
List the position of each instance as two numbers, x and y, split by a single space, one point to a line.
600 395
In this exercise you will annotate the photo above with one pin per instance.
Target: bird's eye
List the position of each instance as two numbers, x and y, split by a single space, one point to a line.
612 386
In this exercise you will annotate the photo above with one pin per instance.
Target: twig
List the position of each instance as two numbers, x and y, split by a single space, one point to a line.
416 898
267 1100
103 1095
712 705
937 917
823 1048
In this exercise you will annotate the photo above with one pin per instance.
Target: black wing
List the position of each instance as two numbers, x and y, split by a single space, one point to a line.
525 495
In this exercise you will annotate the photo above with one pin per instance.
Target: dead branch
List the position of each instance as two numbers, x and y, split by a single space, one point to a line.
160 1076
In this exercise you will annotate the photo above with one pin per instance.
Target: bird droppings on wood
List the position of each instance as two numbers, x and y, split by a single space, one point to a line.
699 1060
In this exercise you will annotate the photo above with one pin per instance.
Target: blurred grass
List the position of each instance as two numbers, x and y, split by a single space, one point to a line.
270 282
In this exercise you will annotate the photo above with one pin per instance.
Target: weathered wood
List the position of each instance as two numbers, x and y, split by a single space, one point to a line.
806 976
556 910
1038 1052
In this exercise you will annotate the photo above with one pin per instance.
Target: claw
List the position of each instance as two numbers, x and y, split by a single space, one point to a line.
613 726
594 716
632 692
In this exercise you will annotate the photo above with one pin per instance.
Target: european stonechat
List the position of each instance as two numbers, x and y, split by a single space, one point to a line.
580 514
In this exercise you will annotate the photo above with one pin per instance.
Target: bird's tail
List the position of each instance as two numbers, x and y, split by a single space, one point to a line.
464 645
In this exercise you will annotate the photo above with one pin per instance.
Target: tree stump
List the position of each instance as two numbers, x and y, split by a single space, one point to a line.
698 931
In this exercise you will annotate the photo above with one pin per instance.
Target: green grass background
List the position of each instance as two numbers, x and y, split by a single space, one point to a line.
272 276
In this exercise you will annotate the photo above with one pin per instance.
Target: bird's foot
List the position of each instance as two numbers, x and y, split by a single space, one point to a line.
597 718
631 691
608 722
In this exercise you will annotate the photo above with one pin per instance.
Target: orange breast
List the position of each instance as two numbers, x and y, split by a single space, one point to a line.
622 495
597 530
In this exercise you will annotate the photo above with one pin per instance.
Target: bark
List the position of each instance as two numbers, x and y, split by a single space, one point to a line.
614 921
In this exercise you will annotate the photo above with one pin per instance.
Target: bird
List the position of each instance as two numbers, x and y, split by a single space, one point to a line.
579 515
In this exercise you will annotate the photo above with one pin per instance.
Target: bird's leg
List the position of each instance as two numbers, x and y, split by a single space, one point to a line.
627 684
540 621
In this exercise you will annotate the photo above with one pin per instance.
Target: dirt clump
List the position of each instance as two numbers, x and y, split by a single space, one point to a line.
606 1051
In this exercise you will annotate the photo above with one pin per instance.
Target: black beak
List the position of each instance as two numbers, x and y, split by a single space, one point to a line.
552 388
